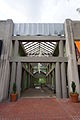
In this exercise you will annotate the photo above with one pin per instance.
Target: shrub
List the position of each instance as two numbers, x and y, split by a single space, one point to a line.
14 88
73 85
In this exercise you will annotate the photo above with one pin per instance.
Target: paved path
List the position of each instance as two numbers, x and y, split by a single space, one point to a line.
40 109
32 92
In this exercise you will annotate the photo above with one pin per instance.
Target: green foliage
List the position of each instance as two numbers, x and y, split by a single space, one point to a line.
36 82
42 81
26 66
73 85
14 88
39 81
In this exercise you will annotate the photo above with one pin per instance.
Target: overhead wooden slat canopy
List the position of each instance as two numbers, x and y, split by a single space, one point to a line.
36 48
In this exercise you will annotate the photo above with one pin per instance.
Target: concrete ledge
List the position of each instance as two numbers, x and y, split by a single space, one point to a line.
38 38
38 59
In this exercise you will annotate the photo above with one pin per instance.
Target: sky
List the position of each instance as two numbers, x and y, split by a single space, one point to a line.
39 11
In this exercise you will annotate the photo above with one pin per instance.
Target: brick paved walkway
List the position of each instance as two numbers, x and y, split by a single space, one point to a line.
40 109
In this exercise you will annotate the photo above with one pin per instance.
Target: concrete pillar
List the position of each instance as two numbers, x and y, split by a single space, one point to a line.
58 81
54 81
53 78
31 77
13 76
4 85
63 77
13 72
16 48
49 76
24 79
63 74
70 51
31 81
28 75
61 49
6 29
18 78
27 79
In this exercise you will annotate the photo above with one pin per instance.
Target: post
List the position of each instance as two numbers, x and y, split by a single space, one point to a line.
18 78
13 75
63 77
16 48
14 67
70 51
61 49
58 81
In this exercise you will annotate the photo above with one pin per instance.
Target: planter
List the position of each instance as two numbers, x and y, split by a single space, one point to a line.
74 97
13 97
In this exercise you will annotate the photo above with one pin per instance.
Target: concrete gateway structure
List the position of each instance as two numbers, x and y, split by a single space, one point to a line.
50 47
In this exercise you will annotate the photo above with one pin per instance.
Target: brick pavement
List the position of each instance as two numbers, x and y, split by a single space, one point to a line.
40 109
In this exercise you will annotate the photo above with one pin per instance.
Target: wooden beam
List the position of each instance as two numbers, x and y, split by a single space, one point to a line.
38 38
32 49
34 53
46 50
50 71
31 45
27 70
48 46
38 59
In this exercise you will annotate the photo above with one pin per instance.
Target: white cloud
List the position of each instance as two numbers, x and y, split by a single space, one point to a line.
60 11
39 10
8 12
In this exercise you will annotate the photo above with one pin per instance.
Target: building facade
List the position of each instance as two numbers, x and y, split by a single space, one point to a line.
52 46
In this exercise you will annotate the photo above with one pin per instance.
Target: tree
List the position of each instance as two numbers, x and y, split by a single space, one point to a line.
78 10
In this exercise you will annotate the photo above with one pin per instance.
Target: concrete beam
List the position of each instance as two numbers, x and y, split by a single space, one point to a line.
38 38
39 59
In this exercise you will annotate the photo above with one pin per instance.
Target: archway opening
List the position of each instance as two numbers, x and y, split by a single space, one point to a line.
38 80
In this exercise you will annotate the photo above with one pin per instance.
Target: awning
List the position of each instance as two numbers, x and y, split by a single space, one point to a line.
78 45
